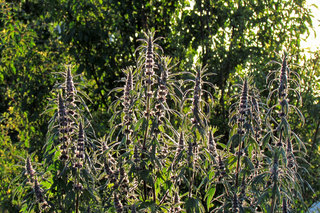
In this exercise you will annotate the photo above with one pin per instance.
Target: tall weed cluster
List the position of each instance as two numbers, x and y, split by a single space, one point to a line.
161 153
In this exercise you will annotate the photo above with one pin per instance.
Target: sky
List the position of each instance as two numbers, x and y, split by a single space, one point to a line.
312 42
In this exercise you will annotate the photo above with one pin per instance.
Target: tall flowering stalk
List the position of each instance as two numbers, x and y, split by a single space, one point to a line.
70 92
127 102
196 120
162 92
243 111
147 63
284 163
64 129
200 109
30 172
38 192
79 158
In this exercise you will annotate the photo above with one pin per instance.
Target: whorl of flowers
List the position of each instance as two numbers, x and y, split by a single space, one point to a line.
256 116
282 90
221 168
148 57
39 195
107 168
64 129
181 143
196 98
79 152
136 155
161 94
29 170
126 103
212 145
70 93
149 64
243 106
78 187
123 180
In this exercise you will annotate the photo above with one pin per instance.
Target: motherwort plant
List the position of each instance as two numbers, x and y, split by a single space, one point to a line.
161 152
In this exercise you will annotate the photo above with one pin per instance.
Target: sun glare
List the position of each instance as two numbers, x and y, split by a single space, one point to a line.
312 42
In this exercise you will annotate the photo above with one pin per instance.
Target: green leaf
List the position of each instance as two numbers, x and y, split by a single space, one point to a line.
209 196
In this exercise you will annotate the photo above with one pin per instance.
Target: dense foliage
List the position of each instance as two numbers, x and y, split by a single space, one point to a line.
235 40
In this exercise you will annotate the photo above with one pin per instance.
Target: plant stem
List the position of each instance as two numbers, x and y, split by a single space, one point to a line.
77 192
77 202
146 133
239 155
275 178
